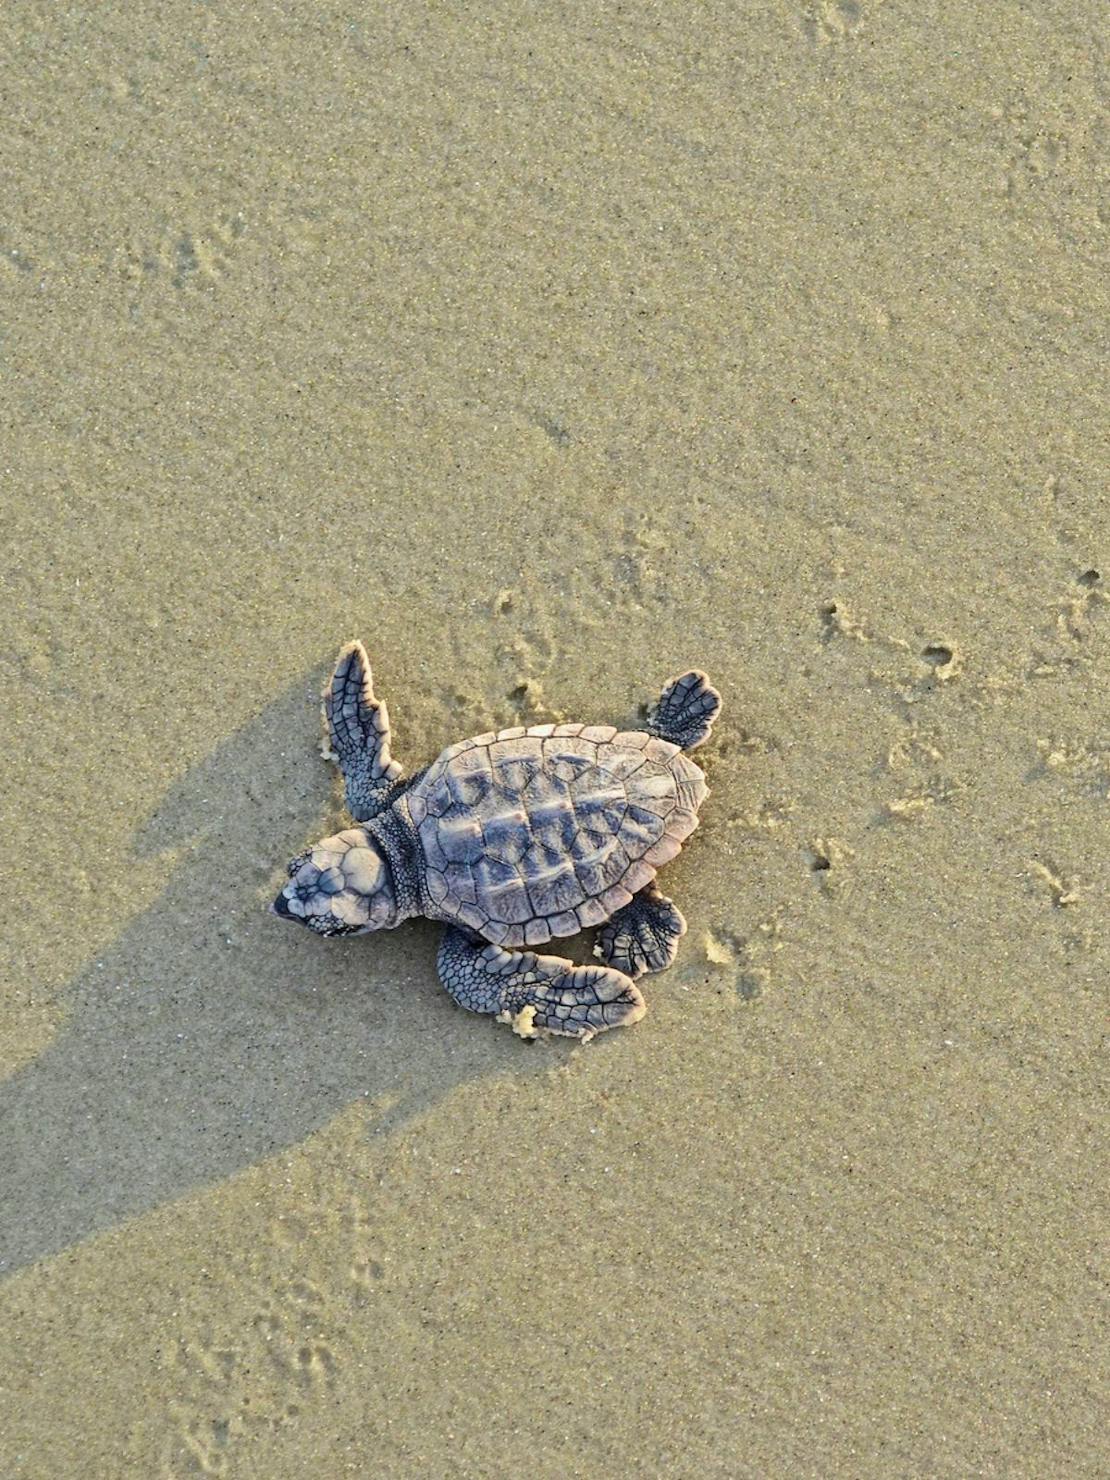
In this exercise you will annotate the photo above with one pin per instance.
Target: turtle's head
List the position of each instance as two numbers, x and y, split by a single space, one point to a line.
340 886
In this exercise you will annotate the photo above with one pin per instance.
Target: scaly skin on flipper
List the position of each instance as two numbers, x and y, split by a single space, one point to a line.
536 992
510 839
686 710
643 936
358 727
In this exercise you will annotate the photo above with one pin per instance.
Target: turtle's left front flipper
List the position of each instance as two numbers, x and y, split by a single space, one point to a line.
358 727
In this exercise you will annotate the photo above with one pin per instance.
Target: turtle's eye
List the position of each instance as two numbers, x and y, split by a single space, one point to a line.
296 863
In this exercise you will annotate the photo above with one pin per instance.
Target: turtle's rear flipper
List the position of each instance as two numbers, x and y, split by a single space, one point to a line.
643 935
536 993
358 728
686 710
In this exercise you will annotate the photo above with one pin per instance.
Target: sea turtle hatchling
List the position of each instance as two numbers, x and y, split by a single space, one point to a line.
511 838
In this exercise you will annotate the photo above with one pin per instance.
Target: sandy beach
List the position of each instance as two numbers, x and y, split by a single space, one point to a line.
551 351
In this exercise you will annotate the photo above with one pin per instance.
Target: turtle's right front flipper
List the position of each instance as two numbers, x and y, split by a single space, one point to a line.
536 992
358 727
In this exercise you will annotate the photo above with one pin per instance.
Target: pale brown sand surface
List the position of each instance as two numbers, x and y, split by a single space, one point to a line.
550 349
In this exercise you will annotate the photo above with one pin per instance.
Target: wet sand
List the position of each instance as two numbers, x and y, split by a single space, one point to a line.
552 350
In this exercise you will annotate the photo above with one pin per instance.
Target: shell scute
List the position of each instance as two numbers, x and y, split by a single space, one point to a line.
511 907
505 825
515 774
469 788
640 873
662 750
461 883
614 866
642 828
418 809
615 897
460 838
591 912
591 877
554 889
567 768
663 851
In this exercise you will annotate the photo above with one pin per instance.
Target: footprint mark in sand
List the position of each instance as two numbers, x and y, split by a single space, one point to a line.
282 1357
185 256
553 427
915 760
1068 638
525 652
748 959
945 661
1079 607
764 819
204 1443
910 675
240 1375
530 706
365 1276
1032 154
523 632
1062 891
911 671
826 21
17 262
838 621
1084 766
315 1364
524 704
639 575
828 860
366 1266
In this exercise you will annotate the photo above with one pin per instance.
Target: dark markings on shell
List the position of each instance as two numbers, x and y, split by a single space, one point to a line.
533 833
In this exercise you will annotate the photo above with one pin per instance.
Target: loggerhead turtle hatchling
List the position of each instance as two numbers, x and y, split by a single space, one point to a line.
512 838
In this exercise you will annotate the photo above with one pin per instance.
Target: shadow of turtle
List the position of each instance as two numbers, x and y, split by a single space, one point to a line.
210 1035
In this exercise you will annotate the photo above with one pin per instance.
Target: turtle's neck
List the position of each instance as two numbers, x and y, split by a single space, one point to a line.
395 835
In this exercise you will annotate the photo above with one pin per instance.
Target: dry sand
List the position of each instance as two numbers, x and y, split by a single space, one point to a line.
550 349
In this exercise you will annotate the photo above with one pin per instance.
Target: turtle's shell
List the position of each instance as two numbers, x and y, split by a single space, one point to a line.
530 833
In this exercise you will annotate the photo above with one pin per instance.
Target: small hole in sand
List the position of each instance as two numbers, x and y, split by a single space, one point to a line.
1090 578
937 654
820 863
